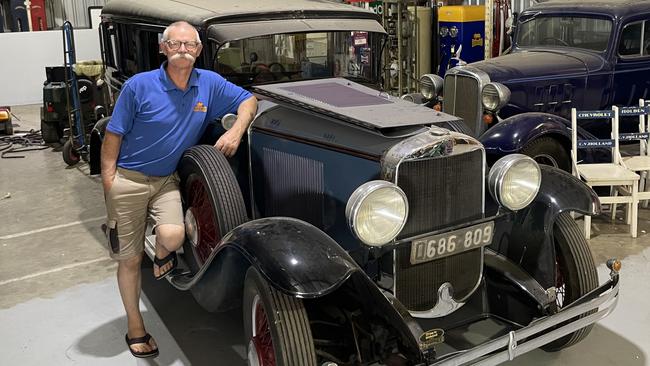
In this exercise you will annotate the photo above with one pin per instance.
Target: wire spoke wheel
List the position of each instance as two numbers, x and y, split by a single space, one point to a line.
276 326
575 274
260 350
212 202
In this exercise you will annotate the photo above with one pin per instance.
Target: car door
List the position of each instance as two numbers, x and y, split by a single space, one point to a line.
632 58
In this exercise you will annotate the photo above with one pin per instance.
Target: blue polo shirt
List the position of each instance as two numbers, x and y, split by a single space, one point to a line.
158 121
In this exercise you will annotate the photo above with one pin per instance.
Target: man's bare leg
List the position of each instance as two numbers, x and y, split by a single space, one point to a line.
129 282
169 238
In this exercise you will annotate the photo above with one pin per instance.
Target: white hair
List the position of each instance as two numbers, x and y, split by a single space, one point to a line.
179 23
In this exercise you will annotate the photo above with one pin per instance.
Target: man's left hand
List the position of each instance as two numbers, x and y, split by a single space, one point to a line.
229 142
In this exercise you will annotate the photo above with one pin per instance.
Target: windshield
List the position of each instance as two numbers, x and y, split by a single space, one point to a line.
300 56
576 32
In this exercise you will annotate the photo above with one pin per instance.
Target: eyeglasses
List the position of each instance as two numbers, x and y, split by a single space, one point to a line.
189 45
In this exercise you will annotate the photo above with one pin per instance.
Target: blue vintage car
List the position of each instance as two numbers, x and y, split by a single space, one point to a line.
353 227
587 55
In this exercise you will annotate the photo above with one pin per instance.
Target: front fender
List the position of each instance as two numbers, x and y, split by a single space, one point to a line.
294 256
531 243
96 139
300 260
513 133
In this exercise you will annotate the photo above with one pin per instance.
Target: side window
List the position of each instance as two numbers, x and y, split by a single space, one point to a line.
128 64
630 43
150 55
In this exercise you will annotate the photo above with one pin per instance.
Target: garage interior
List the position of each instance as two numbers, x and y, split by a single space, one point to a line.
59 302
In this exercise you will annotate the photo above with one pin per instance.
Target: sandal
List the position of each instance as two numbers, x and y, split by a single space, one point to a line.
160 262
139 340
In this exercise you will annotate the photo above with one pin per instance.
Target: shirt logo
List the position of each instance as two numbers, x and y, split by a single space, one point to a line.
199 107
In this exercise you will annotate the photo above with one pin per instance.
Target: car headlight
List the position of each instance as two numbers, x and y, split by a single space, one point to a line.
376 212
514 181
430 85
494 96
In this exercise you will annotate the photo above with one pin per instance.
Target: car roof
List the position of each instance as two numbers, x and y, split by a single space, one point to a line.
614 8
201 13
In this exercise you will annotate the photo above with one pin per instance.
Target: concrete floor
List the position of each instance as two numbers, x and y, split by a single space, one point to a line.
59 303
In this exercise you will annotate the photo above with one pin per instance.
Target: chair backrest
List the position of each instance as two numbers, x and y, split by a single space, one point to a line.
644 131
594 143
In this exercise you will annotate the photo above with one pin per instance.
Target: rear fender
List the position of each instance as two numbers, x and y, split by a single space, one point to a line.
531 241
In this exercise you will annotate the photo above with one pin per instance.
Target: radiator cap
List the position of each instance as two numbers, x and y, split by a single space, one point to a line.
438 131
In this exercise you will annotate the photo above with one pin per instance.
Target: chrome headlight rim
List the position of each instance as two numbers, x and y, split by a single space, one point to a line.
499 172
430 86
357 199
494 90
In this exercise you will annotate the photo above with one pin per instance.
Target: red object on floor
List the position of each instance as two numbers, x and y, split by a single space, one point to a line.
39 19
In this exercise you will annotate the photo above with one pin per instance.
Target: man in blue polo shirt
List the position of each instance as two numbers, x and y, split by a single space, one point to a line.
158 115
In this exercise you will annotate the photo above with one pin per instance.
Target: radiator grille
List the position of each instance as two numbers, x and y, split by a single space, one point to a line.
294 186
442 192
462 98
417 286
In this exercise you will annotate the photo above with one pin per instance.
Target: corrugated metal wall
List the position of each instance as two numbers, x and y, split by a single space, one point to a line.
76 11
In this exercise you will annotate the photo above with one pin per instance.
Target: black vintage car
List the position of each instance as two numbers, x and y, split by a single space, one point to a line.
356 228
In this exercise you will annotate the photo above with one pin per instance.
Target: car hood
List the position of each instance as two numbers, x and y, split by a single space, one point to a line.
353 103
526 65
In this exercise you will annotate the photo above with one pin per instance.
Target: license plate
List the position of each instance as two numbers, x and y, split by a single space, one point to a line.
443 245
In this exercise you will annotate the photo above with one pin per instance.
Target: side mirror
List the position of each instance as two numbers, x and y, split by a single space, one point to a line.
228 121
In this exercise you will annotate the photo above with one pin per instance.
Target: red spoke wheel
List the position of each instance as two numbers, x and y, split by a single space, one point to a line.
575 274
213 203
276 326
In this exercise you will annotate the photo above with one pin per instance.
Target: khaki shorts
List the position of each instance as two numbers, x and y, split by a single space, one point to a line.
131 200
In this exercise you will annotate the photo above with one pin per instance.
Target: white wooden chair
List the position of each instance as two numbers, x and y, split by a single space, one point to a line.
613 174
639 163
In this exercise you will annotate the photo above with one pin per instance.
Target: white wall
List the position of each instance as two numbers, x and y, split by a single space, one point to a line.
24 55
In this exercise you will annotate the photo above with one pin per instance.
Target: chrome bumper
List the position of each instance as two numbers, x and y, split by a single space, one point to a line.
507 347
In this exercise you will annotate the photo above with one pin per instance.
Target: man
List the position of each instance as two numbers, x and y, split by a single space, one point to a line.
158 115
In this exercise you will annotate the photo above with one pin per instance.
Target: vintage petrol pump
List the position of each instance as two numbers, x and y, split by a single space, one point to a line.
462 34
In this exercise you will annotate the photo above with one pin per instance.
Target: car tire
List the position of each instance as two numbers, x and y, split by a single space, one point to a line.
575 274
49 132
210 191
548 151
276 325
70 155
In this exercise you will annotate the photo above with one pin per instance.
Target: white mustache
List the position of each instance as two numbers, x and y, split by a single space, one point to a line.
186 56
